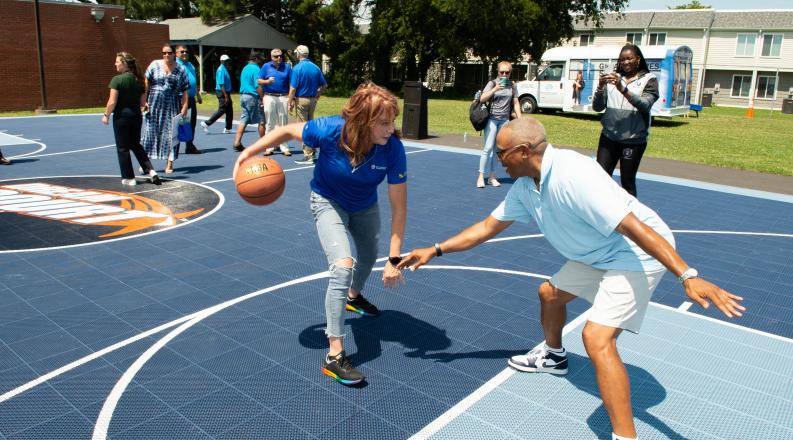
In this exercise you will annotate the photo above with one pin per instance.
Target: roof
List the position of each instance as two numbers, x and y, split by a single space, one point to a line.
605 52
247 31
781 19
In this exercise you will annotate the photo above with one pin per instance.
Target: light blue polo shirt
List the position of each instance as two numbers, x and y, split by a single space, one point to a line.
191 76
248 77
353 188
577 208
306 79
222 77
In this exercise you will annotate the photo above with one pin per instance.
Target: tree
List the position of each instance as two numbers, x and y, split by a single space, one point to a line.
156 9
695 4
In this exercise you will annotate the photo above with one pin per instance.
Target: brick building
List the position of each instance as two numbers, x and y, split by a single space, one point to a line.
79 43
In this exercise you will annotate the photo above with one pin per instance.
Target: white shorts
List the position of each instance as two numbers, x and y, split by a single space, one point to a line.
619 298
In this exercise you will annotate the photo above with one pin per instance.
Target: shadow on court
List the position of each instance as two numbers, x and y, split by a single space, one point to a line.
194 170
646 392
391 326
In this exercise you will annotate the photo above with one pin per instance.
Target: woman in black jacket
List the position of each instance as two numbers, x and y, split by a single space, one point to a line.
627 95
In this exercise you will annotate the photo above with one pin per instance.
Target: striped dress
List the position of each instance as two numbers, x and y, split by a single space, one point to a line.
164 103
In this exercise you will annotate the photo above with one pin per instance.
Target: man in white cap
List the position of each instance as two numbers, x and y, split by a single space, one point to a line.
223 92
305 86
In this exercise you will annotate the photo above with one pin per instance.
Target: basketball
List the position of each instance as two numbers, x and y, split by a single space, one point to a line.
260 180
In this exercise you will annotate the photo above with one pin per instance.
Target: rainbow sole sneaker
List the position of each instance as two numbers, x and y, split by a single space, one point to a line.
361 306
340 368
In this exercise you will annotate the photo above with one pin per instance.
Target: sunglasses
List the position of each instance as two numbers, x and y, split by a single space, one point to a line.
167 53
501 154
504 72
181 51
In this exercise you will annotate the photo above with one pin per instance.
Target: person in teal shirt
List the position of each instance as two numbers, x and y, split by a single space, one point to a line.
250 97
223 91
183 58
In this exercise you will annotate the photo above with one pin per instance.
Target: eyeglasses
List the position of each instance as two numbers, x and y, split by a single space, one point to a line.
167 53
501 154
504 72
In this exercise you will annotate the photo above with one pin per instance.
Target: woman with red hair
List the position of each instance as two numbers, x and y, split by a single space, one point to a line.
359 149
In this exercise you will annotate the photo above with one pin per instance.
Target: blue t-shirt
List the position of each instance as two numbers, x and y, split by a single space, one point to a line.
577 208
282 76
223 78
248 77
306 79
353 187
191 76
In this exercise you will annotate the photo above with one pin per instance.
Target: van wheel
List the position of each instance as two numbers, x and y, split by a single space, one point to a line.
528 104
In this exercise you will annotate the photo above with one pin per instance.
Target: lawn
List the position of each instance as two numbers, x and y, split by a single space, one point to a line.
720 136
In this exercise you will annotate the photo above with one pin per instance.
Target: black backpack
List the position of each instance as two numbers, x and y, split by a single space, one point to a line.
479 112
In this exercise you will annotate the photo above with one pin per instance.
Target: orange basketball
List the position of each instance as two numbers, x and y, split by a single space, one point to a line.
260 180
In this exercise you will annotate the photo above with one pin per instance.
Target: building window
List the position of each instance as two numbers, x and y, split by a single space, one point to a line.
772 45
740 86
586 40
766 87
657 39
745 45
633 38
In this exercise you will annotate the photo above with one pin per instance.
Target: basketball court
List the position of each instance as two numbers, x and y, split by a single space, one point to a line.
180 311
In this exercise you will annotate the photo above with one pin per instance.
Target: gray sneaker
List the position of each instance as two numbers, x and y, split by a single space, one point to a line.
540 361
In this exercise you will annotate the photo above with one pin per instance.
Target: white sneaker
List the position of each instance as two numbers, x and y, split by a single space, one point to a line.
205 127
226 131
129 182
540 360
480 182
494 182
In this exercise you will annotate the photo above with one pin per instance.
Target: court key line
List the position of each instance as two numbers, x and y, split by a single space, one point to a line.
42 146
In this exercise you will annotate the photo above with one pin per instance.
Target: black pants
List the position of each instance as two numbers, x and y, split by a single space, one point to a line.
126 127
628 155
193 119
224 107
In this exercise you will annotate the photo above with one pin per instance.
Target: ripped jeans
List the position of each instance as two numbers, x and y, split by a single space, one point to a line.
335 225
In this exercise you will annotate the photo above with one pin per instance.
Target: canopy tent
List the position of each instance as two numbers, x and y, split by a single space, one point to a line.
244 32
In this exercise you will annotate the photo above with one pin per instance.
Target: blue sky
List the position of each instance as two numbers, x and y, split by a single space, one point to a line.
638 5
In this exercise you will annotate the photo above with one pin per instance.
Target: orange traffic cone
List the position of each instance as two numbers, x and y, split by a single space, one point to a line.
750 110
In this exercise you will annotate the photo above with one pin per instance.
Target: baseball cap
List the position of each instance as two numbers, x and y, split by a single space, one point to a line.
224 57
302 50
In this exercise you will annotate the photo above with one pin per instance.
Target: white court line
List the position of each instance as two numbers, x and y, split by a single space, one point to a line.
19 140
685 306
73 151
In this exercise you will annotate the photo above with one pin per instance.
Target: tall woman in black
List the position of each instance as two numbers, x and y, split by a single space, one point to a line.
627 95
125 102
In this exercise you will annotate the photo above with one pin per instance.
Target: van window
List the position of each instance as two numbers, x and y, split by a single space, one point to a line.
553 72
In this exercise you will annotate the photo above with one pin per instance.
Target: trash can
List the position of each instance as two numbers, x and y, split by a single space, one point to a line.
414 115
707 100
787 106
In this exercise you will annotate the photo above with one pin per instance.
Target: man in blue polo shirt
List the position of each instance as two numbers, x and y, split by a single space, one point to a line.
274 79
305 86
223 91
249 99
617 250
183 58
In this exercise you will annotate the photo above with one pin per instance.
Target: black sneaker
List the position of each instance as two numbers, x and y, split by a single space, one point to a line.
192 150
361 306
238 148
540 360
340 368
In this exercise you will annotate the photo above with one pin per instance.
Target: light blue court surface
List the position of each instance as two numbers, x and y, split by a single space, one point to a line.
209 325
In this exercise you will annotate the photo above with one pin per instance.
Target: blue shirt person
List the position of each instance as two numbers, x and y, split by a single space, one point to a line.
183 58
249 99
223 92
617 248
274 79
305 87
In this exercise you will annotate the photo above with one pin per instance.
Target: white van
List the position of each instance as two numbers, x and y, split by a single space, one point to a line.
552 88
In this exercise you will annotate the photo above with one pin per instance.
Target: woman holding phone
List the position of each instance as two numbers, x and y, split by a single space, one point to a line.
627 95
504 101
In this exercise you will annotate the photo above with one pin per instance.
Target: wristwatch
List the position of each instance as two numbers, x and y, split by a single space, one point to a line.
689 273
394 260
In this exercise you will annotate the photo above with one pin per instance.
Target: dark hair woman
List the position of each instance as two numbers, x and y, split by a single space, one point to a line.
627 95
125 102
359 149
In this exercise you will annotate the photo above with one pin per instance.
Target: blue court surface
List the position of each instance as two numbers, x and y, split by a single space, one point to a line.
184 312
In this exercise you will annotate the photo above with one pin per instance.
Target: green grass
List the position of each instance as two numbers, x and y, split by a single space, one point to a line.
721 136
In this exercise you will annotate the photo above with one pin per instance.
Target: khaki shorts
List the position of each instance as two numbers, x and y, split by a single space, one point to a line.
619 298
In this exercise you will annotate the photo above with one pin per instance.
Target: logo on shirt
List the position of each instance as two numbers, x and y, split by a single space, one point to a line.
52 212
378 167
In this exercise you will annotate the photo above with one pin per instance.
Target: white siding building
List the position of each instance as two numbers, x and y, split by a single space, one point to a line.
746 56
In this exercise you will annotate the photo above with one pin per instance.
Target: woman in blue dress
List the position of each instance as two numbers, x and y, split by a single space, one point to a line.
166 91
359 149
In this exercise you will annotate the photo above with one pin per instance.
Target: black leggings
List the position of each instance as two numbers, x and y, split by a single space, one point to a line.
628 155
224 108
126 127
